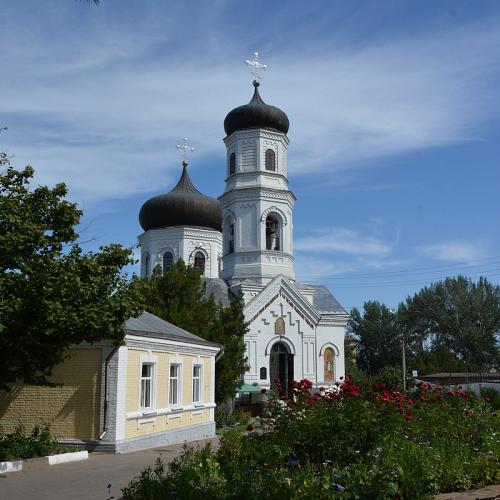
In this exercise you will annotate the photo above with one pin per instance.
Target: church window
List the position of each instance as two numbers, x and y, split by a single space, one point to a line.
270 160
230 239
272 233
168 260
196 383
263 373
146 386
199 261
174 384
232 164
329 365
146 265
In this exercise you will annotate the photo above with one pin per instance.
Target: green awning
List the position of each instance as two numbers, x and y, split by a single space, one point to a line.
249 389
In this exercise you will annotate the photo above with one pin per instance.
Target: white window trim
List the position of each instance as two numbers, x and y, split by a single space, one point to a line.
199 402
178 405
151 408
152 360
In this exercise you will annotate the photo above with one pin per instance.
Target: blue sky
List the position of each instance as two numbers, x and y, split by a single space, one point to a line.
394 111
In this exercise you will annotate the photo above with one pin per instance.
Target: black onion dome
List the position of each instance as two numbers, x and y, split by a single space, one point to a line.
256 114
183 206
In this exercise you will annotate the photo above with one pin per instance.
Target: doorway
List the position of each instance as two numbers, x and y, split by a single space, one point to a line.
281 366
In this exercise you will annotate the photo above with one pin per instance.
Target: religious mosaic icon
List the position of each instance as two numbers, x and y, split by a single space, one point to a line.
279 326
329 375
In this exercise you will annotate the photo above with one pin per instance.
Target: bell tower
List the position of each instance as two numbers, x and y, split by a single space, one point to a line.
257 204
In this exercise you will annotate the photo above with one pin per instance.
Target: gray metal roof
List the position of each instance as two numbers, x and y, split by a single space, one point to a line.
219 289
149 325
324 301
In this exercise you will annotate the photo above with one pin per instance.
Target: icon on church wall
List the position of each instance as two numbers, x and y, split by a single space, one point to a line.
279 326
329 375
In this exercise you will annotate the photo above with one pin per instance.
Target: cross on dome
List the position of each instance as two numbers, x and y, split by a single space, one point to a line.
256 66
184 149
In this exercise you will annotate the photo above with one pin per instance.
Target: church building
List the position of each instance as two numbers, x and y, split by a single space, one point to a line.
242 243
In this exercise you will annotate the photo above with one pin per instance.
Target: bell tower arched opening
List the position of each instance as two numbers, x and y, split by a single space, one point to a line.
273 230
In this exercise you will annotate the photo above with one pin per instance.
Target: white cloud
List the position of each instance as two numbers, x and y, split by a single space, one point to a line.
104 112
312 269
345 241
454 251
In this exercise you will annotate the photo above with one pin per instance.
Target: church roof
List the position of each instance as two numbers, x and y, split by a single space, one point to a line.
324 301
183 206
256 114
149 325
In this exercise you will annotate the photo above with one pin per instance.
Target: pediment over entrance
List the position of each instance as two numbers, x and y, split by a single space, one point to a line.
282 287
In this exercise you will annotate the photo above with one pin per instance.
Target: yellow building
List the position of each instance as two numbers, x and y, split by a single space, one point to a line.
156 389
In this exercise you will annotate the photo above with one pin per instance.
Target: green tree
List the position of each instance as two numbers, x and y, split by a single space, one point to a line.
178 295
52 294
378 333
461 315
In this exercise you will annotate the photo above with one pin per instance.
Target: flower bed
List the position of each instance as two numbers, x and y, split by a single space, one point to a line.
346 441
20 445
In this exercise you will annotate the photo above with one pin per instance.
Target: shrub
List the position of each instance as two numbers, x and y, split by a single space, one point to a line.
491 396
19 445
226 417
355 441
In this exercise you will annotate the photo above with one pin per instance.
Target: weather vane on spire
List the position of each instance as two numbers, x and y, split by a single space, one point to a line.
256 66
184 149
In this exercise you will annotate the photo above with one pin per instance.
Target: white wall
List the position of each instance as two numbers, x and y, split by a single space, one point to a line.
183 242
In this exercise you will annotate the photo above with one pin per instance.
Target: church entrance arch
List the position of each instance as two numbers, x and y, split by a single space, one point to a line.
281 365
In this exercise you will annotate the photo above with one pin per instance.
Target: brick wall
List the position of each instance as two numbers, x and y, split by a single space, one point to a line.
72 410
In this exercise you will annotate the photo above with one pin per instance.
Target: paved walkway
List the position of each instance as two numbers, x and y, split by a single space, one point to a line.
83 480
486 493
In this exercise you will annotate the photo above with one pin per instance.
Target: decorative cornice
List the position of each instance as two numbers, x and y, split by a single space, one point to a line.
260 192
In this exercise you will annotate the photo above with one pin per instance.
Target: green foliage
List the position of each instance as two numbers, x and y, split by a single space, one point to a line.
460 315
224 417
491 396
361 442
52 294
19 445
439 360
179 295
378 334
392 377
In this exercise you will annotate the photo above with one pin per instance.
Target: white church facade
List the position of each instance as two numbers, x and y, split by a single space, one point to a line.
243 244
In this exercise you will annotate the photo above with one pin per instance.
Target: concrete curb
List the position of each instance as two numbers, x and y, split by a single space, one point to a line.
14 466
68 457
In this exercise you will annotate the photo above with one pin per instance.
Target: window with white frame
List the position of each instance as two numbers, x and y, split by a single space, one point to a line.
174 385
147 382
196 383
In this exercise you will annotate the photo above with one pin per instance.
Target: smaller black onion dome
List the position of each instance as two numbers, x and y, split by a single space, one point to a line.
256 114
183 206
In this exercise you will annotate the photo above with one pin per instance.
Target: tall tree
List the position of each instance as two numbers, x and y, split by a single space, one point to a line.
178 295
52 294
378 333
461 315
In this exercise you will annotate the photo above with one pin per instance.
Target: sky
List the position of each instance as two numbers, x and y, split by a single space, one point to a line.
394 112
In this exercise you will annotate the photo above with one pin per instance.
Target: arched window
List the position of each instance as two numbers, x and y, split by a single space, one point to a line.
146 265
229 234
272 233
230 239
168 260
232 164
199 261
329 365
270 160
